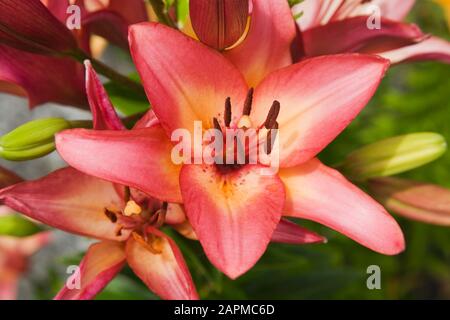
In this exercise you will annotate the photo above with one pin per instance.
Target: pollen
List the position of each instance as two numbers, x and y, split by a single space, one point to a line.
132 208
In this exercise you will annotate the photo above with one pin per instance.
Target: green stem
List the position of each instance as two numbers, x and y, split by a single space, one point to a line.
85 124
161 12
113 75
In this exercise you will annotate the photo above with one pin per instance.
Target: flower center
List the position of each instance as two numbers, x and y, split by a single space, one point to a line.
238 139
136 218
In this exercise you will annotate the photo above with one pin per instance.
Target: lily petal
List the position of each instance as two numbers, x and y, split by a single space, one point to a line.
292 233
391 9
316 192
30 26
272 21
165 272
181 87
9 283
42 78
108 25
351 35
103 113
138 158
102 262
319 97
234 214
8 178
58 8
148 120
68 200
320 12
430 49
175 214
30 245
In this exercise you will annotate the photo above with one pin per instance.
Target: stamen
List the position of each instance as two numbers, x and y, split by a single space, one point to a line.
248 103
217 124
227 114
119 230
111 215
127 194
272 115
269 141
132 208
161 215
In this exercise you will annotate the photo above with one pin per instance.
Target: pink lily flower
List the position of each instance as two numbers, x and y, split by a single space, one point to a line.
235 210
127 224
335 26
15 251
14 255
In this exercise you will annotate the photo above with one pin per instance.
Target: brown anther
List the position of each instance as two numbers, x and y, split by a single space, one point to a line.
119 231
127 194
217 124
272 115
269 140
110 215
248 103
227 114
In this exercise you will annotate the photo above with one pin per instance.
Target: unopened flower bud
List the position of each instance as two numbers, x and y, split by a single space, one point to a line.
394 155
16 226
414 200
34 139
219 23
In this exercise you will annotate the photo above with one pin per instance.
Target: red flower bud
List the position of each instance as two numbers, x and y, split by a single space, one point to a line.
219 23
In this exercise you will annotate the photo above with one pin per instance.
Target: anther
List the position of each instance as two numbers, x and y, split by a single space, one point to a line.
111 215
272 115
227 114
119 231
248 103
272 133
127 194
217 124
132 208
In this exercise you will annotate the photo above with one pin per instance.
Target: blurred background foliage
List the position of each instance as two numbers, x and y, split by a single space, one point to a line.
412 98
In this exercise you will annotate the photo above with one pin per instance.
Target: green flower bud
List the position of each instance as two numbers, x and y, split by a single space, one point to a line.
34 139
16 226
394 155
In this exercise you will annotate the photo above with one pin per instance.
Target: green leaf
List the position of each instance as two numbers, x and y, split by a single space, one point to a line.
16 226
127 102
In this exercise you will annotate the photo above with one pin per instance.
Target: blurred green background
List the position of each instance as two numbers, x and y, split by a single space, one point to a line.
412 98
